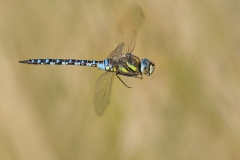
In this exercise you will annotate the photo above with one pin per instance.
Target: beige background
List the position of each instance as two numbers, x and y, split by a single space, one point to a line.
188 109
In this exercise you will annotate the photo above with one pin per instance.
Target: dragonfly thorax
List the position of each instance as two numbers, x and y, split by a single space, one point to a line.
147 67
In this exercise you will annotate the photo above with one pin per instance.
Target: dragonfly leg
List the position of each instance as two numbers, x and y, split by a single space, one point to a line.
122 81
139 77
134 76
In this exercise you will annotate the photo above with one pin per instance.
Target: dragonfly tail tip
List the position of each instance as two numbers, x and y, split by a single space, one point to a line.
23 61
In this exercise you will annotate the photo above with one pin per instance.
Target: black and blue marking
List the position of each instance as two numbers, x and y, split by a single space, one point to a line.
62 62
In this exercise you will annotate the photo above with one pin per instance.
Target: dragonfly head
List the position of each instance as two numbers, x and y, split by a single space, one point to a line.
147 67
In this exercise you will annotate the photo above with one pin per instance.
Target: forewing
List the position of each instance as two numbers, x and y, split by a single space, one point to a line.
128 27
102 95
116 53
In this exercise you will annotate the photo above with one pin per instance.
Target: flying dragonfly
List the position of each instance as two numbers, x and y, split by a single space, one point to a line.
120 61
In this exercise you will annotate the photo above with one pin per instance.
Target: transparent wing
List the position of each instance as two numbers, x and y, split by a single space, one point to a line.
116 53
102 95
128 27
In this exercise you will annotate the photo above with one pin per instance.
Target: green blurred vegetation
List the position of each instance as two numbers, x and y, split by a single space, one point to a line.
188 109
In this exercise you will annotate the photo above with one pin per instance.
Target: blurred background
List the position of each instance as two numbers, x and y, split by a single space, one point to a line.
188 109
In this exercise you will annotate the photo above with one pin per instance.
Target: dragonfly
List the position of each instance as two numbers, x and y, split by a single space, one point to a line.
120 61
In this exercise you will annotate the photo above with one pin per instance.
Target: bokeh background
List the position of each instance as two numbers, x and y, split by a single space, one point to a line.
188 109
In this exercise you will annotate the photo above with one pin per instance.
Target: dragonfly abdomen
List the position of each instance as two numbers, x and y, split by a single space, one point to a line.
62 62
106 65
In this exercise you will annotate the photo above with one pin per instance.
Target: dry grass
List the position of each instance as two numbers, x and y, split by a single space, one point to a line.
188 109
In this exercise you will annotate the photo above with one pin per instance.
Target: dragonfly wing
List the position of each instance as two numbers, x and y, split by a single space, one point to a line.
116 53
102 95
127 30
128 27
